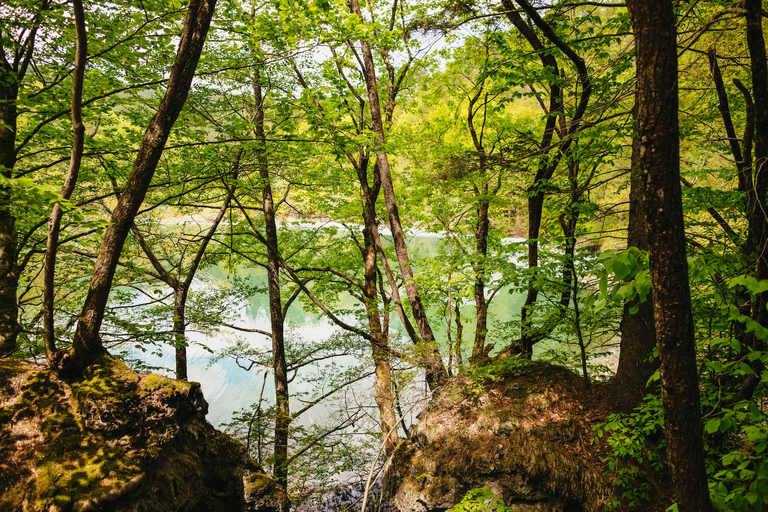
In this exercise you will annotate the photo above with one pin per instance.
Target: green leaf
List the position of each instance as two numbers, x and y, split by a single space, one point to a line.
621 269
712 426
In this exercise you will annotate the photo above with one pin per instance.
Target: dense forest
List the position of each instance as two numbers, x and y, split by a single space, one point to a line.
601 161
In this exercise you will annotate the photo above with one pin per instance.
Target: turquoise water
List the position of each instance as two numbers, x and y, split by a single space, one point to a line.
229 388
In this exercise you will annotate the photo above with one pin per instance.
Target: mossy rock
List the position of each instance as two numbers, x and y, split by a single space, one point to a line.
524 432
117 441
111 397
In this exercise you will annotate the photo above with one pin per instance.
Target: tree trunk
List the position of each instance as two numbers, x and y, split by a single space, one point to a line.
638 336
9 279
8 237
547 166
179 328
13 66
181 288
380 345
658 161
757 194
87 344
459 334
482 227
536 190
277 321
54 221
435 369
481 251
283 420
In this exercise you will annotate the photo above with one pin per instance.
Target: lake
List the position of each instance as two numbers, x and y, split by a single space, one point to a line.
229 388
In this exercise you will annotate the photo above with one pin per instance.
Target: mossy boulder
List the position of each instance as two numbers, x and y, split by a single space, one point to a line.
523 430
117 440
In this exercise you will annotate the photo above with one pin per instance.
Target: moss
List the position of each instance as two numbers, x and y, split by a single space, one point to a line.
107 378
230 441
153 382
39 394
97 434
12 366
257 483
110 377
86 471
71 464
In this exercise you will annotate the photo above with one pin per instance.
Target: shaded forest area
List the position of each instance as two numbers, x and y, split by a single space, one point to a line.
143 142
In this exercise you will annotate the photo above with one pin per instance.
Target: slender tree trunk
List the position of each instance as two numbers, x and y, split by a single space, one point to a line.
435 369
54 222
536 190
283 420
482 225
181 288
179 328
87 344
459 334
638 335
380 345
743 160
658 161
277 321
481 251
547 166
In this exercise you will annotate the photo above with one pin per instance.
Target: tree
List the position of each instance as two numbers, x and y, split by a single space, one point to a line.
638 335
87 343
16 51
436 373
78 141
657 157
181 283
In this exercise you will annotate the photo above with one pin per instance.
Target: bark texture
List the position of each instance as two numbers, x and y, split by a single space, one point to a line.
14 63
658 162
276 314
756 183
8 236
638 335
380 343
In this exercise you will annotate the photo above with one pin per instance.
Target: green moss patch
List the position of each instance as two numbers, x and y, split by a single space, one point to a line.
66 443
71 464
110 379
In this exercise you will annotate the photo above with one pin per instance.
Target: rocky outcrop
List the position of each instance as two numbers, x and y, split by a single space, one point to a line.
522 430
119 441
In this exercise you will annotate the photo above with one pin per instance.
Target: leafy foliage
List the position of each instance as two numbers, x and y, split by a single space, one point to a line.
481 499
